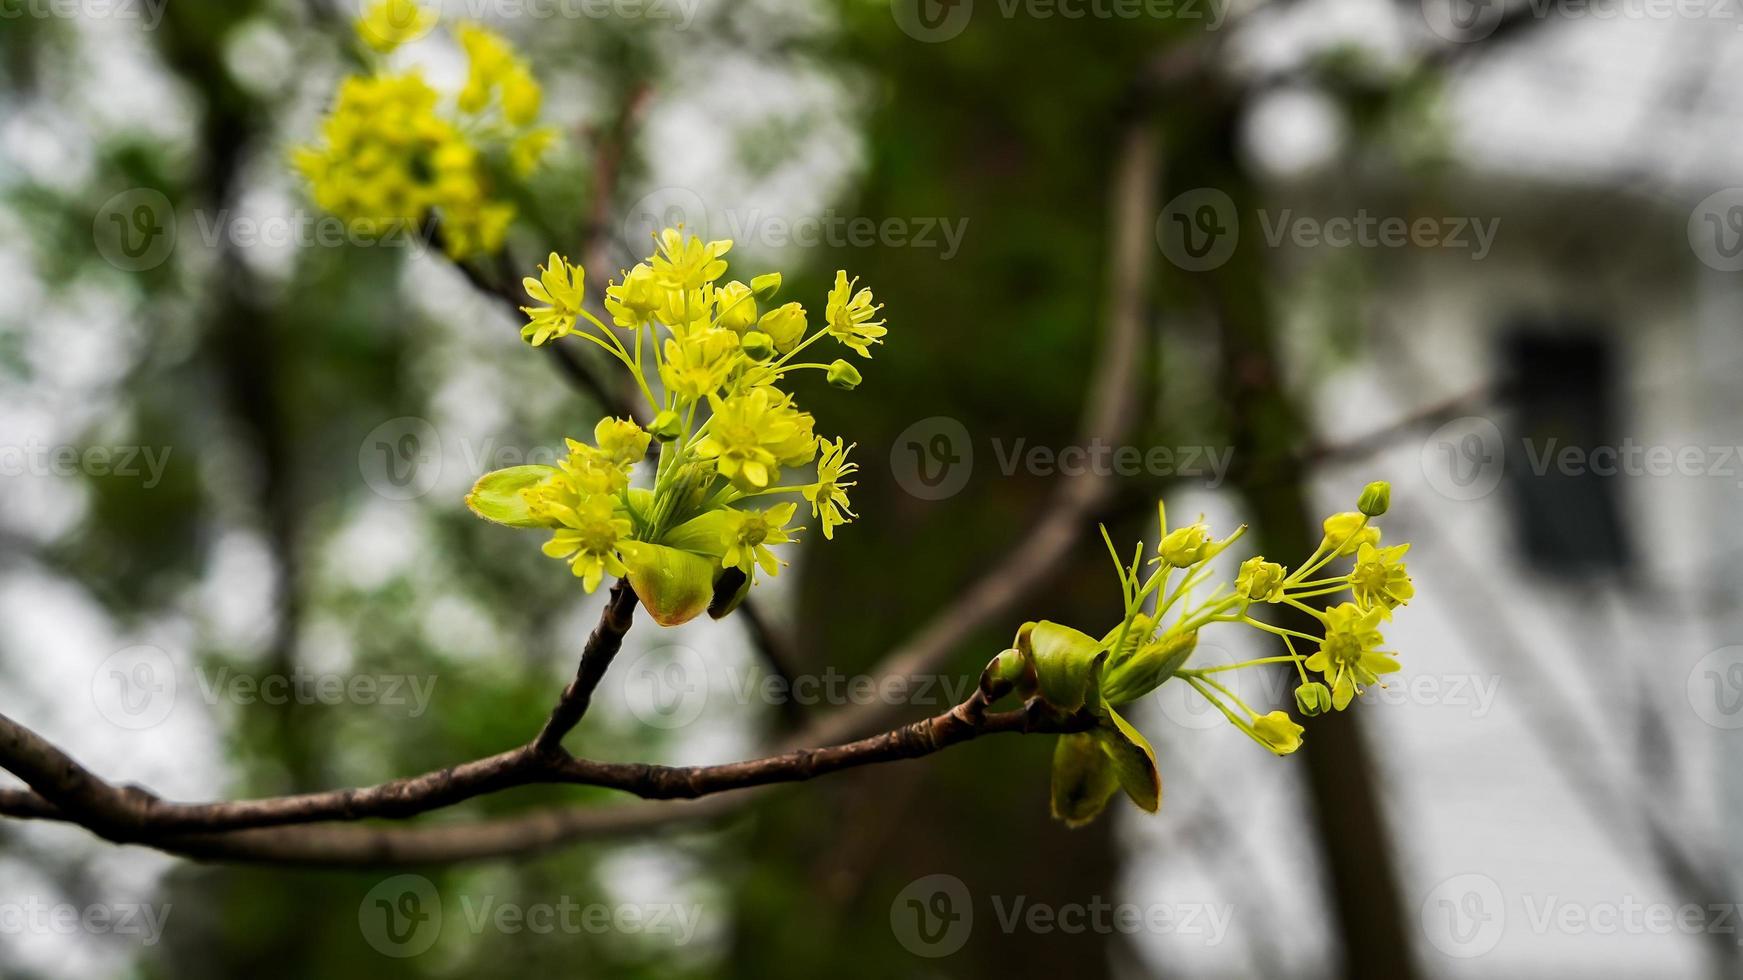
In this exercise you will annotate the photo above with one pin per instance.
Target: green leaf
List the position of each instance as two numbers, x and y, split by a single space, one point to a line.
704 534
1131 760
675 586
497 495
1067 664
1083 779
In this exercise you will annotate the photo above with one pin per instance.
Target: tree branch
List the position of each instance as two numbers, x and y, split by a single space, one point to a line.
602 646
66 791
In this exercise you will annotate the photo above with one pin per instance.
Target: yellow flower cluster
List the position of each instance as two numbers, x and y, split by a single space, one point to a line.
1075 674
388 155
709 356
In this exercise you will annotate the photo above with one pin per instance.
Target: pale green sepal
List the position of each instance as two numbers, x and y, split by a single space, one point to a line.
497 495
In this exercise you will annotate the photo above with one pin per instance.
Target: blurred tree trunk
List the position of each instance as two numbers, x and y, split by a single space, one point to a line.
1001 336
1265 423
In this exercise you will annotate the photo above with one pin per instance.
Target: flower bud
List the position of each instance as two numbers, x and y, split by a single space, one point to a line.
844 375
1277 732
1376 497
667 426
758 346
1313 698
738 308
1260 580
766 286
785 324
1185 547
1348 531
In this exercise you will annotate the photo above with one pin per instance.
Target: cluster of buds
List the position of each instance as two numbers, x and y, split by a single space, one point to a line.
709 357
1072 675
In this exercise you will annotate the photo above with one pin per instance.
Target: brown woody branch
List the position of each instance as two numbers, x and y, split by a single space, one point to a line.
63 790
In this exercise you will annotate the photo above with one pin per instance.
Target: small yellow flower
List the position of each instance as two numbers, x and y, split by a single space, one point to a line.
1380 579
686 262
1350 657
687 311
633 301
1349 531
591 471
588 541
698 363
387 24
828 496
1277 732
736 307
1186 546
799 446
750 434
849 316
1260 580
560 287
750 533
621 441
785 325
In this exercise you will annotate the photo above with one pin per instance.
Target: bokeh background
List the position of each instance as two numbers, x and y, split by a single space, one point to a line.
1489 252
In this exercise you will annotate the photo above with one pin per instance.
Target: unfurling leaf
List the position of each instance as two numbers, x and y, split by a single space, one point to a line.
1133 761
1083 779
497 495
1067 664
